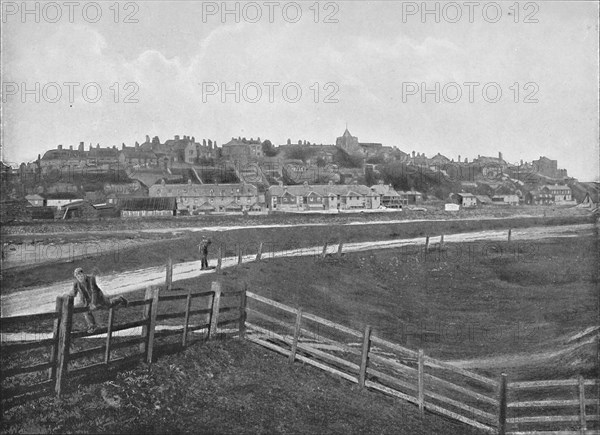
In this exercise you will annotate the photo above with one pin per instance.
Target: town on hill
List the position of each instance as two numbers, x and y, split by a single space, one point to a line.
186 176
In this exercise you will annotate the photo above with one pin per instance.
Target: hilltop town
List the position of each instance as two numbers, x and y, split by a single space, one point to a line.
187 176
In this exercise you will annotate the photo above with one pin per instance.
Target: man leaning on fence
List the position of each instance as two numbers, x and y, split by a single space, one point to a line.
91 296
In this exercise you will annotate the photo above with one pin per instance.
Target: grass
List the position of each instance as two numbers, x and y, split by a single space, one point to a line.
130 255
512 299
222 387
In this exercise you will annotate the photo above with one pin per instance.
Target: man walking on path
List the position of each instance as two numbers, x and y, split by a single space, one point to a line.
204 252
90 295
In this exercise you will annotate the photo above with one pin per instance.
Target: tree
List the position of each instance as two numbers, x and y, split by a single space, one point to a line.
268 149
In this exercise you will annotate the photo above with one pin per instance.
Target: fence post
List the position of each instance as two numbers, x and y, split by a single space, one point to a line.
55 337
214 312
364 359
188 305
219 259
259 253
421 380
297 327
239 256
64 342
324 253
111 314
169 277
441 242
243 315
150 311
340 247
509 233
582 417
426 244
502 408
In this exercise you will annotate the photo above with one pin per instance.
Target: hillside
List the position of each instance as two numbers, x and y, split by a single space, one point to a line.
223 387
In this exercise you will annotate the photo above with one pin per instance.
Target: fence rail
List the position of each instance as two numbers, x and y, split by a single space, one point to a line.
64 361
360 357
408 374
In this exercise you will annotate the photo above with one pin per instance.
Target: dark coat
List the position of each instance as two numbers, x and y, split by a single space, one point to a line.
89 293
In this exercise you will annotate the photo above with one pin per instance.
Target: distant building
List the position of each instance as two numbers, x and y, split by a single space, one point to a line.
59 199
136 157
147 207
483 200
347 142
209 197
467 200
561 193
351 145
36 200
548 167
539 197
508 199
388 197
242 150
410 196
491 167
321 197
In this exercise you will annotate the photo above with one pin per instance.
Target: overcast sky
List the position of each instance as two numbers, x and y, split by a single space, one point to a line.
365 64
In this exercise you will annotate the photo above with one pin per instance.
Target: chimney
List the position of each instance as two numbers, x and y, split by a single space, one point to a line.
80 146
499 155
97 146
71 147
59 147
459 158
123 146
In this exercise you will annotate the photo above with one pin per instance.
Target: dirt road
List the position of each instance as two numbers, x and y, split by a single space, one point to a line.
42 299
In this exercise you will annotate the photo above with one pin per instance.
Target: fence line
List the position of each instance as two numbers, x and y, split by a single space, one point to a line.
431 384
62 355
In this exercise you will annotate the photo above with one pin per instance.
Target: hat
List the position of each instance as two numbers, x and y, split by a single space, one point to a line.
78 270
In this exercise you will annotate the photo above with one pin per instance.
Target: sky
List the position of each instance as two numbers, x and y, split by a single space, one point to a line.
517 78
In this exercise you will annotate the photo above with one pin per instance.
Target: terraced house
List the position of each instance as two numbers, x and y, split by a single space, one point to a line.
197 198
321 197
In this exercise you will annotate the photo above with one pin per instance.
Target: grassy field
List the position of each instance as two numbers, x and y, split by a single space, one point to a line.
508 306
134 251
490 304
225 387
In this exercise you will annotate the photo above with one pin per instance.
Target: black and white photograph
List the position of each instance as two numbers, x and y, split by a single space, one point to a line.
300 217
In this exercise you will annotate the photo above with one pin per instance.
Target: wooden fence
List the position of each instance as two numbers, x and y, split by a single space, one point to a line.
433 385
214 315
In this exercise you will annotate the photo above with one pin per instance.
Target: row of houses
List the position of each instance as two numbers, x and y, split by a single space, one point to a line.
545 195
